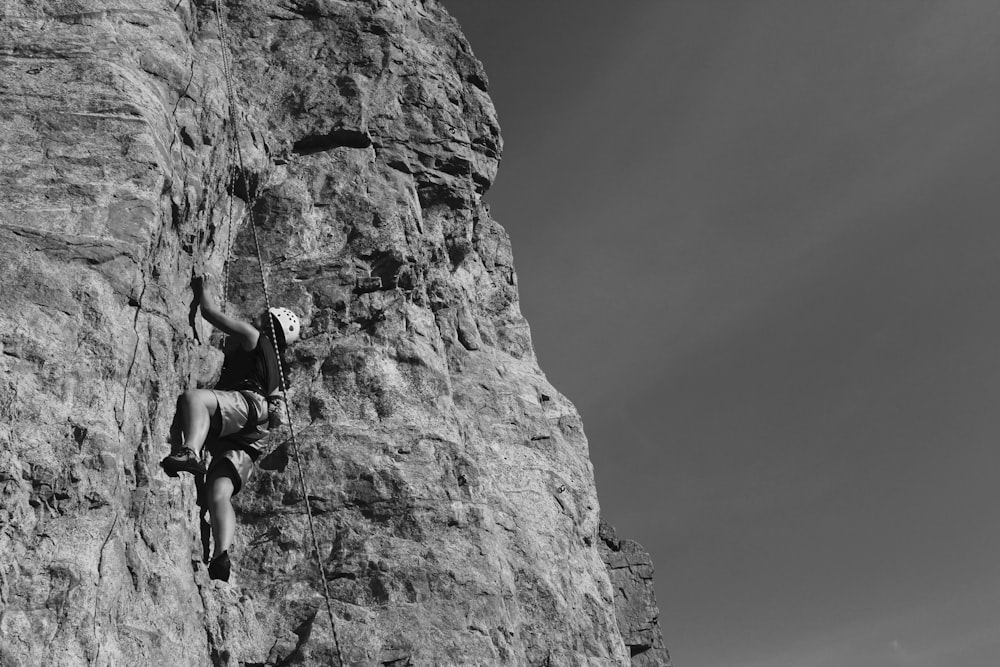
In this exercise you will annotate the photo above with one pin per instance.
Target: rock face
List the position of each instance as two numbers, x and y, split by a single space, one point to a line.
631 571
454 501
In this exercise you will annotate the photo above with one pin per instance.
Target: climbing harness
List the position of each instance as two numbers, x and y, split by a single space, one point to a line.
233 121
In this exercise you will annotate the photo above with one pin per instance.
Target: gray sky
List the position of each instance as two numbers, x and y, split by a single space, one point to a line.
758 244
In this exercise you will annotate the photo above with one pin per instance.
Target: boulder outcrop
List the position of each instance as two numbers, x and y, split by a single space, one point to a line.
454 500
631 571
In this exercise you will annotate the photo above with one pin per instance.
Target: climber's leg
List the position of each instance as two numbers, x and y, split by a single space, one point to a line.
197 407
176 437
222 483
196 411
220 508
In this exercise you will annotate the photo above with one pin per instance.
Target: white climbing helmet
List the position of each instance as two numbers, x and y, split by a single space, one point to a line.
287 322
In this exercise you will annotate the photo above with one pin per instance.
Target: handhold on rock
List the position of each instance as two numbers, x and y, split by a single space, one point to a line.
368 284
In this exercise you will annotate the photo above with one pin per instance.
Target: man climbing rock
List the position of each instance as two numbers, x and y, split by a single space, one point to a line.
230 419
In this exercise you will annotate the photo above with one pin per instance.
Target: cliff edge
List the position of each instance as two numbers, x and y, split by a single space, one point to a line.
454 500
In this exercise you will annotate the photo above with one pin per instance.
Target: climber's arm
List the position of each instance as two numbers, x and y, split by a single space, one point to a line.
245 332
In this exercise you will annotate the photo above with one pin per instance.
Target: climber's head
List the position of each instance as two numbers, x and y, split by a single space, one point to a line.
286 326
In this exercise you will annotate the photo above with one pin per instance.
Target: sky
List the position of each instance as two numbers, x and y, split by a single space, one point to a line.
757 242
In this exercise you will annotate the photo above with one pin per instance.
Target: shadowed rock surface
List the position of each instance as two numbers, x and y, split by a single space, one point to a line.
631 571
455 504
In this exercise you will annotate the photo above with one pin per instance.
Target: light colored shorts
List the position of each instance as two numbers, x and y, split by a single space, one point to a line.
234 411
222 457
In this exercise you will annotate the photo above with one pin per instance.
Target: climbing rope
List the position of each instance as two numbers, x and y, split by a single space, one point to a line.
231 180
233 149
251 199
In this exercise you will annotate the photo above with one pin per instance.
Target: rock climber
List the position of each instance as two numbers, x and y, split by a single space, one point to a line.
231 418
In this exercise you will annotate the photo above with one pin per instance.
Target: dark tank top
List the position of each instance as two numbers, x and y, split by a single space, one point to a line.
256 369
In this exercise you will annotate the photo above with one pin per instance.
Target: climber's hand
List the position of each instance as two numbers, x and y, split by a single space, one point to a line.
277 412
200 283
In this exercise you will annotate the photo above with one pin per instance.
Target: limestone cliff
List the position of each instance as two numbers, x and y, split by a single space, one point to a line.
455 505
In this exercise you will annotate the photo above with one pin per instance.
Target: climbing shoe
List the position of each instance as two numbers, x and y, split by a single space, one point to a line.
182 460
219 567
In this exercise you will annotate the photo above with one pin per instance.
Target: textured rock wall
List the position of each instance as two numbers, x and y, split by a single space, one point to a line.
454 499
631 571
